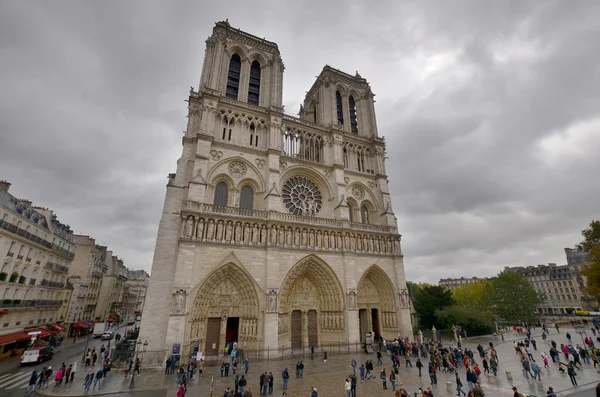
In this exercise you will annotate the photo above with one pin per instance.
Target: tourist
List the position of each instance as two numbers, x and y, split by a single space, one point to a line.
285 375
361 370
47 376
478 390
314 392
271 381
419 365
353 384
347 387
550 392
242 384
393 379
459 385
324 359
68 373
379 357
536 371
88 380
137 366
264 383
571 372
167 366
182 389
568 335
246 366
312 352
32 381
353 365
301 369
59 376
432 374
408 363
383 377
248 392
526 368
98 380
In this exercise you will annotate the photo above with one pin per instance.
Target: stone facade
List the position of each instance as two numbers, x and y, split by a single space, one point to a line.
36 251
277 232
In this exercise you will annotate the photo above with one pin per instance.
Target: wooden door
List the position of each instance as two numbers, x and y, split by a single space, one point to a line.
213 331
296 329
312 328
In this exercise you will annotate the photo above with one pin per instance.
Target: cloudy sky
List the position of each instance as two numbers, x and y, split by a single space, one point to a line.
491 112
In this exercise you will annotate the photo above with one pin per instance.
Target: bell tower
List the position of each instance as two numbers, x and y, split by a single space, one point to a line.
242 67
340 100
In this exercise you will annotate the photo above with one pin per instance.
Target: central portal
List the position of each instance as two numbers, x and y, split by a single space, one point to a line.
231 332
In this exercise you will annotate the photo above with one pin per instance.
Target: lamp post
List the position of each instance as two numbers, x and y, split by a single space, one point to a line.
139 348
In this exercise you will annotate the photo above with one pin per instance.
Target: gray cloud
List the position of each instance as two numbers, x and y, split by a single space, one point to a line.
490 111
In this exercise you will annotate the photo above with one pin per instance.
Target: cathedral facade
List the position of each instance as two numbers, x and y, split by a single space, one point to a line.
277 231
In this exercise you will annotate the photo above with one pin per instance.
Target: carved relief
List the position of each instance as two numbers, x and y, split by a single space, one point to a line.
352 299
260 163
179 301
371 184
272 301
237 169
282 165
216 154
358 192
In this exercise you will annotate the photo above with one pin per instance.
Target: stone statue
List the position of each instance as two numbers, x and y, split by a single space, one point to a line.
247 233
347 241
304 237
263 234
210 230
281 236
319 239
219 231
326 240
376 244
339 241
273 234
434 333
228 232
352 299
179 301
311 238
297 237
238 232
352 242
200 229
272 306
189 227
288 236
255 235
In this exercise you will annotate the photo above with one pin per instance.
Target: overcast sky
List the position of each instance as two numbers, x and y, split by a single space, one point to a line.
491 112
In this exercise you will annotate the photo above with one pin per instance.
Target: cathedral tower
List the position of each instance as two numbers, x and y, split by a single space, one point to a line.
277 232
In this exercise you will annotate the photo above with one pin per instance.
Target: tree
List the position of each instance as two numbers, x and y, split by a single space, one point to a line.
477 296
591 237
514 297
429 298
591 271
474 321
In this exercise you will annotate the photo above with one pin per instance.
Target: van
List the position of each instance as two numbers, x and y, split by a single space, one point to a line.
37 355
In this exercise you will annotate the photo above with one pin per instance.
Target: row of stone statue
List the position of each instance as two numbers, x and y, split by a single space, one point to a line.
332 320
389 320
226 231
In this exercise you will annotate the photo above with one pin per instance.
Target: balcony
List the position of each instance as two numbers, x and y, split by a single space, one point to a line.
63 251
8 303
52 284
23 233
56 267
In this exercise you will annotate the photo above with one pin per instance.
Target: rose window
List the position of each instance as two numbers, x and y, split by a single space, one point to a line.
301 196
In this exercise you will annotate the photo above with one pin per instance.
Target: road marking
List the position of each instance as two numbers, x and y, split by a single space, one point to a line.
23 383
15 379
5 376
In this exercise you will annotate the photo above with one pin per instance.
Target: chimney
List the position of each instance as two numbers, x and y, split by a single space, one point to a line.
4 186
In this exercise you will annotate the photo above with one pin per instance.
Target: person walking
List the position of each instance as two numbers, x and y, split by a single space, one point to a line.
459 385
361 370
379 357
407 357
571 372
432 374
393 379
285 375
246 366
353 385
353 365
137 367
314 392
32 381
89 378
383 377
312 352
536 371
68 373
552 393
526 368
264 383
301 369
419 365
478 390
347 387
47 376
242 384
182 389
568 335
271 381
98 380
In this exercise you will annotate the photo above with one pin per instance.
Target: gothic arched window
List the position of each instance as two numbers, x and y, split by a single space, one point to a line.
340 108
233 77
254 86
353 122
364 214
247 198
221 193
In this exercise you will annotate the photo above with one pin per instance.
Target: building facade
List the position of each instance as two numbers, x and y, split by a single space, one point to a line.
36 251
454 283
137 282
110 296
277 231
77 304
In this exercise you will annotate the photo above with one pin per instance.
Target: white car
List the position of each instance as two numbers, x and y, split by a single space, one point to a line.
107 336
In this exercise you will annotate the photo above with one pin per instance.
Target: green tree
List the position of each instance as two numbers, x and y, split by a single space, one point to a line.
429 298
474 321
591 271
591 237
477 296
514 297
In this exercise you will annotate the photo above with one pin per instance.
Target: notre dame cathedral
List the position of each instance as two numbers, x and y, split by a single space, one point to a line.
277 231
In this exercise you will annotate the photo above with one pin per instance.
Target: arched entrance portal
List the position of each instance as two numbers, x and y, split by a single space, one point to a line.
226 309
311 311
377 304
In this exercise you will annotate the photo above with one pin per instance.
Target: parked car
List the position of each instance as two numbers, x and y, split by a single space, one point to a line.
37 355
107 336
131 323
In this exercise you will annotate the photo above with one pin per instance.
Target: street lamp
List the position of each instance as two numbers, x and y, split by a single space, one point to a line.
138 349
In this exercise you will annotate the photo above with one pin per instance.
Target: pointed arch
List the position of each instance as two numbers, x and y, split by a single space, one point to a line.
320 276
375 289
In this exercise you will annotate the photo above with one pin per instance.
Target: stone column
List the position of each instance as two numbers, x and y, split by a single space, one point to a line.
222 335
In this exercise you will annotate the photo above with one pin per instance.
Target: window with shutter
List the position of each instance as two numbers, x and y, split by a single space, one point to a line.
233 77
353 121
340 109
254 86
221 192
